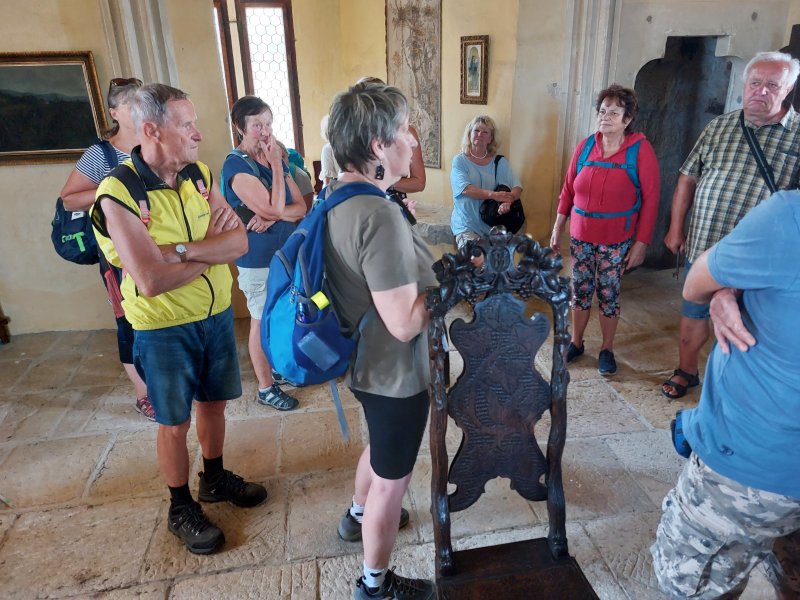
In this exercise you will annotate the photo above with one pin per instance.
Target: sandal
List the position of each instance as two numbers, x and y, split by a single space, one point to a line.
144 408
276 398
680 389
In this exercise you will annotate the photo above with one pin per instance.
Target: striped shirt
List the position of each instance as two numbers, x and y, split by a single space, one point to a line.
93 163
729 182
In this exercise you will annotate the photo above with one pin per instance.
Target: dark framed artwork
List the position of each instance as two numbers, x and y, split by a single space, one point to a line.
474 69
51 106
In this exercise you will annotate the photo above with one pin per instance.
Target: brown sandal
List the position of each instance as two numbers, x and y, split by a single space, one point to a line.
680 389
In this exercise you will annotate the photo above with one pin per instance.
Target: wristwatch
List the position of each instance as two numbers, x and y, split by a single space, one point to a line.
181 250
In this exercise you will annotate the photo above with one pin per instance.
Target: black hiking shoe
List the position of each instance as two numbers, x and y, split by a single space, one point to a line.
396 588
192 526
350 530
229 486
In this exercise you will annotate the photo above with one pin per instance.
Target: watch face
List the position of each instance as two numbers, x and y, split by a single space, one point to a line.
180 249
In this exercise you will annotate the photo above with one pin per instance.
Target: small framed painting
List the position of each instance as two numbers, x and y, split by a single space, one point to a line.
51 104
474 69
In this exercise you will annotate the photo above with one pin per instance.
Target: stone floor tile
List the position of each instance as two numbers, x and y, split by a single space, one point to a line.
32 416
131 467
31 344
71 341
251 447
49 472
41 551
643 391
593 408
253 536
11 371
316 504
6 519
499 508
51 373
156 590
99 369
102 341
293 581
118 411
314 444
596 483
84 406
337 576
650 460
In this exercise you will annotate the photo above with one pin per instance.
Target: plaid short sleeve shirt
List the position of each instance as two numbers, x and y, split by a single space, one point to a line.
729 182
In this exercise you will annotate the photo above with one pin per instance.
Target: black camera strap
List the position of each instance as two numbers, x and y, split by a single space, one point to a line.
755 149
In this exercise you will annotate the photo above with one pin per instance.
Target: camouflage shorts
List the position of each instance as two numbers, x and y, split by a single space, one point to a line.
714 531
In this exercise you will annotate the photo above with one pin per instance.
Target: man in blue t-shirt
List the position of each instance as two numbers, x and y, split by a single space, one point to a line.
737 501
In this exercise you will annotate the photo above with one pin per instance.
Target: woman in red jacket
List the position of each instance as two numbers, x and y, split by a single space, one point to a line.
611 198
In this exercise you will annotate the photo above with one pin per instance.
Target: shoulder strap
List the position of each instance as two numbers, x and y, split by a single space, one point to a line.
588 144
755 149
135 186
193 172
267 181
109 152
631 166
496 162
347 191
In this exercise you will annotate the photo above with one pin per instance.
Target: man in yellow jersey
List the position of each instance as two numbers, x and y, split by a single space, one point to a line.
160 217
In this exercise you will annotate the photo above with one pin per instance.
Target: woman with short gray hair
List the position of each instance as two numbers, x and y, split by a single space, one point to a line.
377 268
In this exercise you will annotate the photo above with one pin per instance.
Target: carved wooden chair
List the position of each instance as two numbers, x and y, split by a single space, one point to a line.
496 402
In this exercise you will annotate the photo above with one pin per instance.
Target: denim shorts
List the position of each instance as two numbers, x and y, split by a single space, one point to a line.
195 361
253 283
693 310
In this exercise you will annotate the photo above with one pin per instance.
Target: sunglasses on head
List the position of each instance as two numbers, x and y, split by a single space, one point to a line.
122 81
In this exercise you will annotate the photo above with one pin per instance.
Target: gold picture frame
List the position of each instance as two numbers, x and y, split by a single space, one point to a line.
52 106
474 69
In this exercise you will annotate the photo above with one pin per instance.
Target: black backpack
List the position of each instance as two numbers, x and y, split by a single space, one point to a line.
72 234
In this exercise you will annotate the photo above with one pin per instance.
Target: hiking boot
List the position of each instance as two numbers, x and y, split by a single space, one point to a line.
606 364
277 398
192 526
574 352
396 588
229 486
144 408
350 530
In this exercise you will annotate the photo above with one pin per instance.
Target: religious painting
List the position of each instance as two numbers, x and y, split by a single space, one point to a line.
474 69
51 106
413 55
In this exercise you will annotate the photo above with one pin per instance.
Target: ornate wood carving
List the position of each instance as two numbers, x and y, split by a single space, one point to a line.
499 398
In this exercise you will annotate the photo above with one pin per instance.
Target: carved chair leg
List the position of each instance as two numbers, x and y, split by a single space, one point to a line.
439 502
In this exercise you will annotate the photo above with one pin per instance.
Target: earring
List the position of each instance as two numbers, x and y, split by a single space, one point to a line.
379 171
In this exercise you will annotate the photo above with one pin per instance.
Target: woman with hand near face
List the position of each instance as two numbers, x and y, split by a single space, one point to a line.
611 220
269 204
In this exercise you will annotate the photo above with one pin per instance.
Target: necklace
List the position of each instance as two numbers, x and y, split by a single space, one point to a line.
485 153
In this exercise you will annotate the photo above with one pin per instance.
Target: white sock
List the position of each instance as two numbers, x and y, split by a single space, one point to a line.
264 390
373 578
357 512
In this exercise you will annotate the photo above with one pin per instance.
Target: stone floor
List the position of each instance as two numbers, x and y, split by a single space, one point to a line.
86 509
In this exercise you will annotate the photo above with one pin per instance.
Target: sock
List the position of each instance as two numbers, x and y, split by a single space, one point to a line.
212 466
264 390
180 496
373 578
357 511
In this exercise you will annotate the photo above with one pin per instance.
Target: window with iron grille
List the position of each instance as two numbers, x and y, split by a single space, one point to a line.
268 64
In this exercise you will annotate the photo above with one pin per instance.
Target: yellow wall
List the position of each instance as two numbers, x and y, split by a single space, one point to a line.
337 41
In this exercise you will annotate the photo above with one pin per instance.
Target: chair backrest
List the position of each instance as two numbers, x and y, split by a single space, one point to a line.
500 396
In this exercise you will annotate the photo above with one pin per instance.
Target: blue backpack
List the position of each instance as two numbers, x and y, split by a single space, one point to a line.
631 157
71 231
300 331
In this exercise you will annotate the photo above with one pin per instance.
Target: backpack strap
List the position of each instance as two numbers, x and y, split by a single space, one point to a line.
109 152
497 158
347 191
631 168
135 186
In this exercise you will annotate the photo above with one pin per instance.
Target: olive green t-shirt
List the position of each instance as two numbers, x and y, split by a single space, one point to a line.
371 247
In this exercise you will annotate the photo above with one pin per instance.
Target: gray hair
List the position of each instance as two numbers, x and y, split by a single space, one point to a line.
792 64
361 115
491 148
150 103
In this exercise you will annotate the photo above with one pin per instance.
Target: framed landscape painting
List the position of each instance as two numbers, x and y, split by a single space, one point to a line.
51 106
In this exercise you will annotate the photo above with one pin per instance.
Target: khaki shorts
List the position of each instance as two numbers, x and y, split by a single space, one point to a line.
714 531
253 283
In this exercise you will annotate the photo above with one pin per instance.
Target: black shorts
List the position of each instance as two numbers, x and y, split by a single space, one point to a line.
395 428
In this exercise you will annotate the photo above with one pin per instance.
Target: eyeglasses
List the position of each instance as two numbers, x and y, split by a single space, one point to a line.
121 81
613 114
